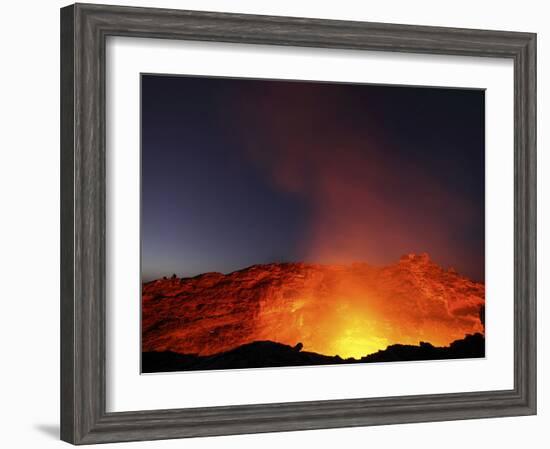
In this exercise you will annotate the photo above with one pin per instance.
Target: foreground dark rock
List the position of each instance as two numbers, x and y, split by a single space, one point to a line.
471 346
262 354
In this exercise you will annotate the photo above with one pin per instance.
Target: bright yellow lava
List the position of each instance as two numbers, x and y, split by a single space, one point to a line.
352 331
356 336
354 344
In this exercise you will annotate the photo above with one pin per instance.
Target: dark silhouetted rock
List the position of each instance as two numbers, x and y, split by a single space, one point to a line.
262 354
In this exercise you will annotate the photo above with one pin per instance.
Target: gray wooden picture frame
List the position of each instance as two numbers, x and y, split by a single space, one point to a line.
84 29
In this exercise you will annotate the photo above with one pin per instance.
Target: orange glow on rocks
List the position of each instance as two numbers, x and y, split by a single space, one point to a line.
347 310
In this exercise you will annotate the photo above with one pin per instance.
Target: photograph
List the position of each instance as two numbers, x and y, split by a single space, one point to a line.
299 223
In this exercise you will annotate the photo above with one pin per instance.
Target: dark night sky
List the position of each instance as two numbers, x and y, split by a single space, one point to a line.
237 172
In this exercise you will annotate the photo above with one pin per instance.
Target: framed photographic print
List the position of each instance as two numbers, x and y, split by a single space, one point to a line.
289 205
308 211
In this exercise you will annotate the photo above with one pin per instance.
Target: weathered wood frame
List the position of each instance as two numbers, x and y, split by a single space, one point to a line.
84 29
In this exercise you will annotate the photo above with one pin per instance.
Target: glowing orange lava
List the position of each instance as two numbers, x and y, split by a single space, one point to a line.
350 310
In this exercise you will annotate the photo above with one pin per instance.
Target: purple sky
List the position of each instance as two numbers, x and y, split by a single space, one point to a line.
237 172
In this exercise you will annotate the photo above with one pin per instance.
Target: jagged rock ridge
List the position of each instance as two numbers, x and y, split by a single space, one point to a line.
261 354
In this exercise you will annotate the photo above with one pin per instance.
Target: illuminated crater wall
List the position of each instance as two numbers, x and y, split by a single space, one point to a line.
347 310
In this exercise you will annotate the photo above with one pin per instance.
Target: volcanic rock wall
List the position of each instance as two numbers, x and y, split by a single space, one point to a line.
349 310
